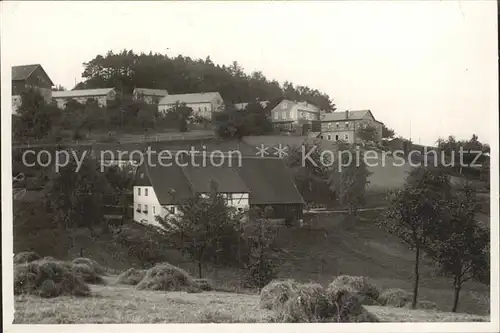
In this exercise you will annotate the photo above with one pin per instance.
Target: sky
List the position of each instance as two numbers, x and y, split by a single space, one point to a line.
427 69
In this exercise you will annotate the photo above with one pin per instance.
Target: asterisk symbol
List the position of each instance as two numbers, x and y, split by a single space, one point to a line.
281 151
262 150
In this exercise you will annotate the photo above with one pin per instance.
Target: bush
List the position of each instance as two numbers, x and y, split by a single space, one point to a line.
166 277
131 276
48 279
94 265
397 298
358 286
25 257
87 273
277 292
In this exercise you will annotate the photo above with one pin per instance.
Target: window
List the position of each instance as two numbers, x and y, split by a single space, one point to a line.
146 192
336 138
346 137
141 175
205 109
138 191
284 106
276 115
145 209
337 125
283 115
346 124
139 208
154 209
171 209
329 137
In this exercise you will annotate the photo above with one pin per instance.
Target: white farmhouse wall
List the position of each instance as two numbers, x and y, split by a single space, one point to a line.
147 206
16 103
145 199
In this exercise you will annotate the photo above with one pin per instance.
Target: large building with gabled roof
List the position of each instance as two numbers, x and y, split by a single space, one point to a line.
27 77
244 182
344 126
203 104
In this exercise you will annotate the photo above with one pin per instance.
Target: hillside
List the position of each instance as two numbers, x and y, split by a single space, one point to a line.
327 246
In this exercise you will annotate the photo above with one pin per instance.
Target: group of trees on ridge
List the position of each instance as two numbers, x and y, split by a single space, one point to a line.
127 70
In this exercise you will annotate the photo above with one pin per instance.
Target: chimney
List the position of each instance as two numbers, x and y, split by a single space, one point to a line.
347 114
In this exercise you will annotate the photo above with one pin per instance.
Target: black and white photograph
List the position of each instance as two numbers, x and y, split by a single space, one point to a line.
330 163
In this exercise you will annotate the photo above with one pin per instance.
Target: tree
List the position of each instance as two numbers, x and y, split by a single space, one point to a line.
201 226
76 195
459 244
181 114
59 88
261 268
310 174
147 117
35 116
414 211
92 115
233 123
126 70
367 133
349 179
387 133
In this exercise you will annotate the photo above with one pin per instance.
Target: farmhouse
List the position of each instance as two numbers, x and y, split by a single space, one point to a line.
291 115
245 182
102 96
29 77
343 126
203 104
149 96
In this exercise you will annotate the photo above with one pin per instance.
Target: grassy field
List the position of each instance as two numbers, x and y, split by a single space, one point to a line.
124 304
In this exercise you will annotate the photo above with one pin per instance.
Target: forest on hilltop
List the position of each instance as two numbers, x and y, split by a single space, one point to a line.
127 70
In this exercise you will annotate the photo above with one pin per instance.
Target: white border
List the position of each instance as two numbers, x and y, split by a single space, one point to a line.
7 244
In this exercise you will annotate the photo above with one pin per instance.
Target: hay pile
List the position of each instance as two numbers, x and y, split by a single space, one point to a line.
359 286
277 292
46 278
131 276
87 273
167 277
25 257
397 298
400 298
293 302
94 265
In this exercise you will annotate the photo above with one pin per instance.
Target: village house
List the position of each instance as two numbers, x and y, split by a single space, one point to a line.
203 104
291 115
102 96
149 96
27 77
255 182
344 126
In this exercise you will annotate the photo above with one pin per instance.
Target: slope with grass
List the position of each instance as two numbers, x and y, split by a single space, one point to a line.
126 304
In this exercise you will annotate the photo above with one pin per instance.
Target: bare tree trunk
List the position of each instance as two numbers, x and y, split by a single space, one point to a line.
417 276
457 285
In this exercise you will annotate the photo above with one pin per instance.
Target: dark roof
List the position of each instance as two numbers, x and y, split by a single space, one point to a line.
266 179
21 73
269 181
